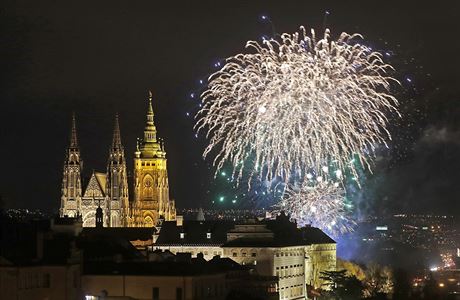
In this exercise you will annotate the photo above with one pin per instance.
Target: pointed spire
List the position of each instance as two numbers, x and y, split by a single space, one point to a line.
73 136
150 111
116 141
150 129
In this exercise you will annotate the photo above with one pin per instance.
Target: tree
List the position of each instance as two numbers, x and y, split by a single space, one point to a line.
340 286
379 280
431 290
352 268
353 288
402 288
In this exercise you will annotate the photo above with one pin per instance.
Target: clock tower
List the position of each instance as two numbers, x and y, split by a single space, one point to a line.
151 187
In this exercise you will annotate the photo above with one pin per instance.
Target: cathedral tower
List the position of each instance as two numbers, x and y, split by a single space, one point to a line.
117 181
71 179
151 188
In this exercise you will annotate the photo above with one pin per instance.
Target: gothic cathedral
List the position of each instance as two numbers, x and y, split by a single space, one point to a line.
108 192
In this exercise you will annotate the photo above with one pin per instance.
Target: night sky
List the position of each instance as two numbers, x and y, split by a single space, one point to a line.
101 57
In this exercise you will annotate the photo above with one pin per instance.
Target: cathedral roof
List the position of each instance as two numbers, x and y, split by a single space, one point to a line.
101 179
96 185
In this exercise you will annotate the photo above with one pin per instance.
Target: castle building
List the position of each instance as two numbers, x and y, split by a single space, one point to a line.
272 247
109 191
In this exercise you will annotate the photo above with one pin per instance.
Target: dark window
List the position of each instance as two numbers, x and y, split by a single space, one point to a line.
46 280
75 279
156 293
178 293
253 254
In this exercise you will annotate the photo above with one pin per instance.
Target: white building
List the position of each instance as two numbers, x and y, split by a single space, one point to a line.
273 247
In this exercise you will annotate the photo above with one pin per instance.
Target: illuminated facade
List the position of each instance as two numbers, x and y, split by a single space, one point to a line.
151 187
109 190
71 180
117 182
273 247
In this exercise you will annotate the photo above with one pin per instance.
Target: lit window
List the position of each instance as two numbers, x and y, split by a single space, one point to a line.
182 235
208 235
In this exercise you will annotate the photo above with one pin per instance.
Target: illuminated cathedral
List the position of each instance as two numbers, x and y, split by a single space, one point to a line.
109 191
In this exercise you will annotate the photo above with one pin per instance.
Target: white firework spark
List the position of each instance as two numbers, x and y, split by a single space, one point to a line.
319 204
295 104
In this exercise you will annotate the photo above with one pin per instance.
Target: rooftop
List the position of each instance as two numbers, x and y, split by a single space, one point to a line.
267 233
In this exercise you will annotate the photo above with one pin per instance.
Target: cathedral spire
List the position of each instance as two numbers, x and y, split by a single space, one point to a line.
150 131
150 109
116 141
116 182
71 179
73 136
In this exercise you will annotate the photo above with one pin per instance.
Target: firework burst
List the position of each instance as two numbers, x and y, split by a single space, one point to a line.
296 103
321 204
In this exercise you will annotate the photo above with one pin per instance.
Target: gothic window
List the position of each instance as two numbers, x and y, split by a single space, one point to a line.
114 221
71 184
148 222
115 185
148 187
